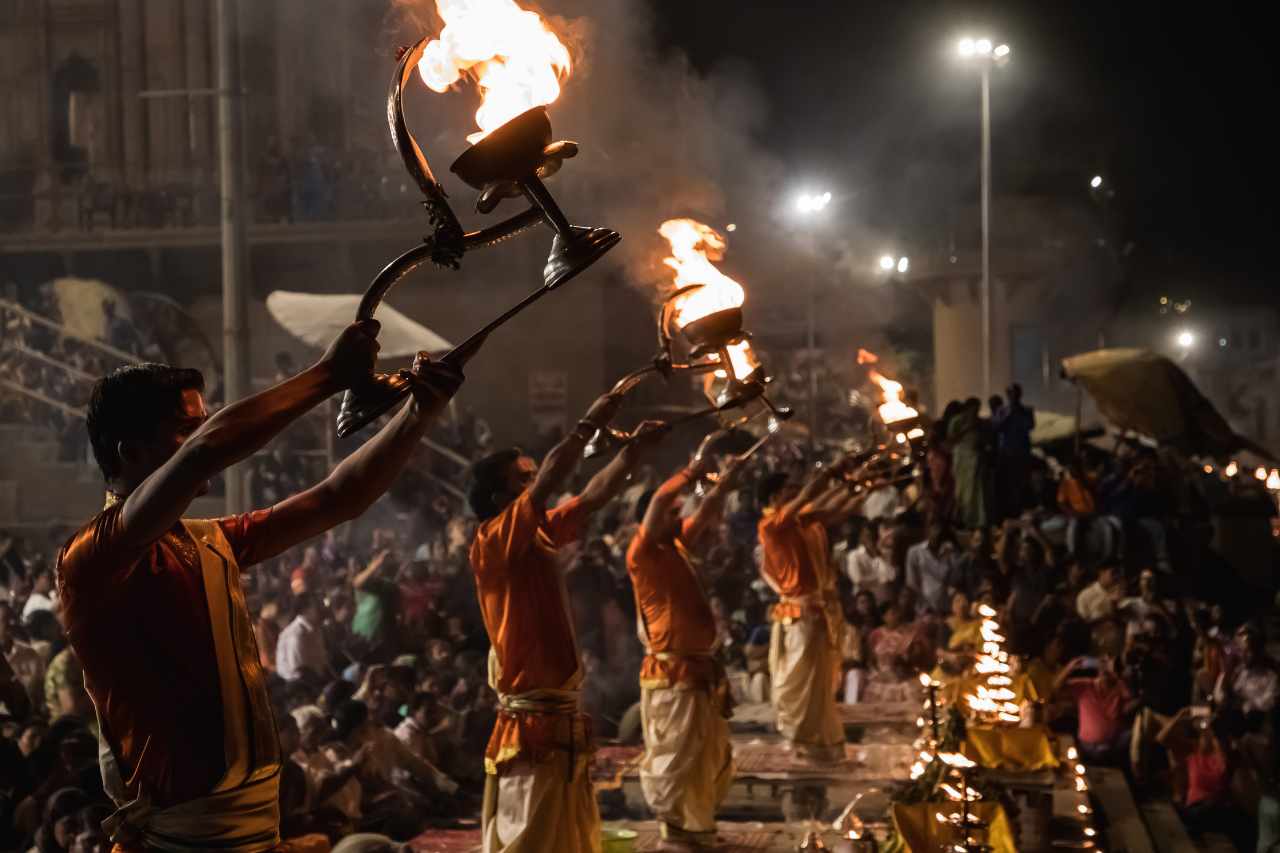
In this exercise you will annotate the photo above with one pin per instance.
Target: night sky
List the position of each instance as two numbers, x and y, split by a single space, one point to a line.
1171 105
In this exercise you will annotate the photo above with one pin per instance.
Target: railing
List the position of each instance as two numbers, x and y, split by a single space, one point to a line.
64 332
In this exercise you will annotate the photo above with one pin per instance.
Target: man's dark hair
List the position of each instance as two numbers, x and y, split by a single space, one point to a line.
349 716
128 402
769 486
642 505
305 600
489 476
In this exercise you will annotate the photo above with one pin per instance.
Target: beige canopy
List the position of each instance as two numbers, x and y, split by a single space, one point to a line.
317 318
1147 393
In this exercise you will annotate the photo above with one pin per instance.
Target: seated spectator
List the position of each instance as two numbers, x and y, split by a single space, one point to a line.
1200 749
1147 604
399 789
300 651
860 620
1098 600
867 568
930 565
1103 704
1252 685
894 653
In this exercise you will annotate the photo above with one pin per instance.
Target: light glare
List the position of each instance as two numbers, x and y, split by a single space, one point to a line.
966 48
903 264
982 46
1186 339
1096 182
1002 51
886 263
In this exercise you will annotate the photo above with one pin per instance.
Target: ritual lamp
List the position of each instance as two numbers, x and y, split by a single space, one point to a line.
704 313
506 160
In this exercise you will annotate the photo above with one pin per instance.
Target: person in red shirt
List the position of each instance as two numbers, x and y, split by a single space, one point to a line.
1103 705
684 698
538 794
153 603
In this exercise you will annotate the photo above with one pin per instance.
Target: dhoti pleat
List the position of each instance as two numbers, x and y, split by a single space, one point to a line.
688 762
803 664
539 807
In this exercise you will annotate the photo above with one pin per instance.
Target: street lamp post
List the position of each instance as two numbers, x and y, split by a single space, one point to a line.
808 205
982 51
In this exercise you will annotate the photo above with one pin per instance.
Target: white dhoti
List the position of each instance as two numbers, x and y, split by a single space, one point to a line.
688 762
804 668
539 807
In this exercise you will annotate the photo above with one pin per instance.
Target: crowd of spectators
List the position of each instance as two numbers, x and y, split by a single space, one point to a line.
1115 605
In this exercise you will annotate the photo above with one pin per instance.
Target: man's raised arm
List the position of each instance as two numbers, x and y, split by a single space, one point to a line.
711 510
611 479
364 476
563 459
239 430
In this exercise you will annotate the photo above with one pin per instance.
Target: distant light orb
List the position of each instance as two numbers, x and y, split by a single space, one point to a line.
1186 339
1222 342
903 264
886 263
1096 182
1001 51
966 48
806 203
731 227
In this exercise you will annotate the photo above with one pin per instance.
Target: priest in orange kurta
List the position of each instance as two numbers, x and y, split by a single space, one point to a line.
153 604
804 651
538 793
684 698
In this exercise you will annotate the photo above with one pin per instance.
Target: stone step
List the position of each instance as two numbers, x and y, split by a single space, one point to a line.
1125 828
1166 829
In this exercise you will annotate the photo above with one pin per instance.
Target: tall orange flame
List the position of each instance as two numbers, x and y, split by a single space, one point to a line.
693 248
517 61
892 409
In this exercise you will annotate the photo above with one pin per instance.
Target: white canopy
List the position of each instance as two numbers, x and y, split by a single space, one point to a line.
316 319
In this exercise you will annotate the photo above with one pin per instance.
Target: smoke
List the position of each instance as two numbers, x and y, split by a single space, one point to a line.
658 139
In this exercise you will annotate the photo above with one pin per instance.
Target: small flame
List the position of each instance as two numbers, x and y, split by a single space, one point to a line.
893 409
1273 480
693 248
742 358
517 61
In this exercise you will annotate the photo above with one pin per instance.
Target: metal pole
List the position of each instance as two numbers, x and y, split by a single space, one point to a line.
235 313
812 346
986 231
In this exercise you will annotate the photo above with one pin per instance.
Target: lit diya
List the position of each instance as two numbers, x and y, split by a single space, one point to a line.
517 64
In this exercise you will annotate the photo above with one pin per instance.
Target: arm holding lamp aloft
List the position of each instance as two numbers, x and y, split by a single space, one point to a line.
609 482
711 510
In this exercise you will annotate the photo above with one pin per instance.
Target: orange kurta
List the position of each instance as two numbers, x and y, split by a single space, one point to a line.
796 564
673 608
139 621
526 614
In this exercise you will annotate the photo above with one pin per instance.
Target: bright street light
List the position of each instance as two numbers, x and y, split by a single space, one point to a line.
1096 182
966 48
887 263
812 203
1186 339
903 264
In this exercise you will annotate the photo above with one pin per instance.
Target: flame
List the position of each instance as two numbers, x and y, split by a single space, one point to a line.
693 248
893 409
1273 480
743 359
517 61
